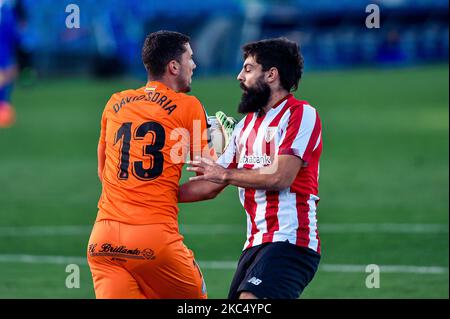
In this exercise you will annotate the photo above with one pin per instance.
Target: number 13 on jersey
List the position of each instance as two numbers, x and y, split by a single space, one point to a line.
152 151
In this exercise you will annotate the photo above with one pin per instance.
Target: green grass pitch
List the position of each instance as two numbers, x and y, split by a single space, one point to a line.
385 162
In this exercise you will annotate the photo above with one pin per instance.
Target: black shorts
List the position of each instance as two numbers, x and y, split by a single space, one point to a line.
278 270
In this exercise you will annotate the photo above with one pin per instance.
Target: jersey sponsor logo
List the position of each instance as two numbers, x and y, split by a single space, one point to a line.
255 281
255 159
148 253
91 248
108 249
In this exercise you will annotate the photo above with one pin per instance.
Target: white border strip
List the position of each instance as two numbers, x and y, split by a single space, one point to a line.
228 265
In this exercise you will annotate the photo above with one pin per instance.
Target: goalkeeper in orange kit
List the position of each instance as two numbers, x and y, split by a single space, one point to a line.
135 249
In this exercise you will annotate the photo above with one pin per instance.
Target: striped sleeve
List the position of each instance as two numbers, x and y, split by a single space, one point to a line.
302 133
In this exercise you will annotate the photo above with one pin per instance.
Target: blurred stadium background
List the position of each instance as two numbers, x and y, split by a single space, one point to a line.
382 95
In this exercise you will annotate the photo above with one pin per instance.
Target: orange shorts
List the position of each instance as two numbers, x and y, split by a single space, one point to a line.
142 261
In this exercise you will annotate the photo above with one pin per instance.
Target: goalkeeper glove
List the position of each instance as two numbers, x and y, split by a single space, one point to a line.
227 124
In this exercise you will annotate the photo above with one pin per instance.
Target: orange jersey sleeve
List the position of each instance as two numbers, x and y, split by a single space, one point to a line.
148 134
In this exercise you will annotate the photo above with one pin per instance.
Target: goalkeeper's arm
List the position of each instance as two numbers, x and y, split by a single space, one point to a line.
199 190
203 190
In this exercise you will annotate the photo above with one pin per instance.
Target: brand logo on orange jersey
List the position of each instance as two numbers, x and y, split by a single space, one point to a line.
150 88
91 248
148 253
108 249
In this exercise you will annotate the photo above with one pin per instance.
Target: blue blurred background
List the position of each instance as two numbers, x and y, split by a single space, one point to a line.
332 33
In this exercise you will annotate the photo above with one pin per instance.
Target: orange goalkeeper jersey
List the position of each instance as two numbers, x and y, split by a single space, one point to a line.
149 133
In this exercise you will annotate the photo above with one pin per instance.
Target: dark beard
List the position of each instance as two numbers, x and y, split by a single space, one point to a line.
254 98
183 87
183 84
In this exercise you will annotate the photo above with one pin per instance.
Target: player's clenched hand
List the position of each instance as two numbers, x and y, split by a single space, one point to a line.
207 170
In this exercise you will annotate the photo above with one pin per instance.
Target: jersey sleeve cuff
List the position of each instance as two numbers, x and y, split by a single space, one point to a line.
289 151
294 152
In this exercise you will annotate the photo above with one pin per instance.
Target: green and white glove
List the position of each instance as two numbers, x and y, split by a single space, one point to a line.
227 124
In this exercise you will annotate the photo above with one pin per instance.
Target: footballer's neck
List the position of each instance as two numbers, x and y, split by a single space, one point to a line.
168 81
275 97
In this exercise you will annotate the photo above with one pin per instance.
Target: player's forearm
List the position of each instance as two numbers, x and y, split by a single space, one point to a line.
199 190
263 178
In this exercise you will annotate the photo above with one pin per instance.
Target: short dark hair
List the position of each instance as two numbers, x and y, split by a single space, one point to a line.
280 53
160 48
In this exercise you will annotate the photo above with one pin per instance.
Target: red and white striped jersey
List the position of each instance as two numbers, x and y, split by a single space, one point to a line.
290 127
